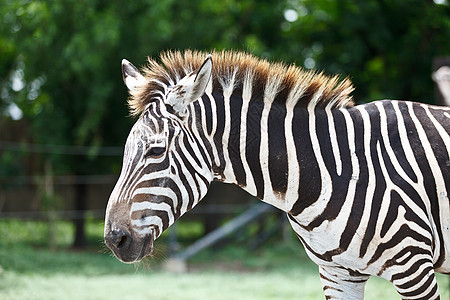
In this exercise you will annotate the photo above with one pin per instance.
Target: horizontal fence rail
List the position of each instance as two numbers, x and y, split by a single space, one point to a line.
62 149
213 209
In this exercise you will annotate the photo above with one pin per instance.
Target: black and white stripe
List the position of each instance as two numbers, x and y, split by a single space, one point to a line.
365 188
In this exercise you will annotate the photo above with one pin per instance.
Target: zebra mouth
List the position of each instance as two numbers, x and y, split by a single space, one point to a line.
147 247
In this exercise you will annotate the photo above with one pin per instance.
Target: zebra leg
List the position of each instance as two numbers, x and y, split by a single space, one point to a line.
337 283
418 282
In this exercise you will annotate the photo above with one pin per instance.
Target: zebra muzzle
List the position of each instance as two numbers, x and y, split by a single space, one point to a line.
128 247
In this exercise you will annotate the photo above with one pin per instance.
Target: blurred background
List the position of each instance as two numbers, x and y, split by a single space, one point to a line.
64 122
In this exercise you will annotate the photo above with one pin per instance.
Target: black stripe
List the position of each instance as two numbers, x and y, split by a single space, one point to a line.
234 139
253 142
310 180
220 113
278 164
208 113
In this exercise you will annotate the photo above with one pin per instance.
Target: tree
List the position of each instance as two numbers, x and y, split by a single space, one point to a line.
386 47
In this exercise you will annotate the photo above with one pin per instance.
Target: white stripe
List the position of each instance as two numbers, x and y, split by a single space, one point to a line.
155 175
371 181
272 88
316 97
246 96
402 258
270 92
334 142
264 153
294 95
227 91
293 165
150 220
157 191
147 205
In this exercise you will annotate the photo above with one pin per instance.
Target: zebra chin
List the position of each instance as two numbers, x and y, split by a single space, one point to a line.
128 247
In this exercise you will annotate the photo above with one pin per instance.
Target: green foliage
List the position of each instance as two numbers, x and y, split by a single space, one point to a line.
35 233
387 47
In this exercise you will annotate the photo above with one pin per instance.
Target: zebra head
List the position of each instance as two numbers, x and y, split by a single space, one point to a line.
161 176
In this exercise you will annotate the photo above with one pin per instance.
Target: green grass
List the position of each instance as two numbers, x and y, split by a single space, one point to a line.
277 271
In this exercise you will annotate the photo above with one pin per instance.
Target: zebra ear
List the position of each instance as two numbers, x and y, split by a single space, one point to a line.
190 88
201 80
131 76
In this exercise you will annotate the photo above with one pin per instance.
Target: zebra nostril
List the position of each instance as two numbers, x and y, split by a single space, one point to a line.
118 239
123 242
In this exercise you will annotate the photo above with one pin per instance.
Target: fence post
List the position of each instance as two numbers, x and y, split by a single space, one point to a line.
49 194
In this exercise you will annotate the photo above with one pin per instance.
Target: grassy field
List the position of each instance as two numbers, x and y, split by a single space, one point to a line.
277 271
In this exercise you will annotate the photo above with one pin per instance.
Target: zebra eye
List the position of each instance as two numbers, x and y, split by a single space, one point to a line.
155 152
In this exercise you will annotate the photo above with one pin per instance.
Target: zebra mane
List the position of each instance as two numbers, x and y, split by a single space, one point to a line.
241 71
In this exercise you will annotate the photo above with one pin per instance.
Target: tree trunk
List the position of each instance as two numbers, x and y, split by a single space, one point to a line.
79 221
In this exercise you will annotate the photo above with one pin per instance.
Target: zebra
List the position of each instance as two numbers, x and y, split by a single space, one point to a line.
365 187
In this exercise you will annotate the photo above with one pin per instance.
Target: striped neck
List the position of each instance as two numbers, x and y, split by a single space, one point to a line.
277 153
265 148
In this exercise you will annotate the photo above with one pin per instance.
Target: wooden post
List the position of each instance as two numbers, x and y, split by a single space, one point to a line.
80 219
49 200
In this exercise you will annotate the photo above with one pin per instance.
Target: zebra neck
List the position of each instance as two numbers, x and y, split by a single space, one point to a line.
275 153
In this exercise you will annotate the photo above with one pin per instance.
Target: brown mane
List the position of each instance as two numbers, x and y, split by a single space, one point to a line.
328 91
